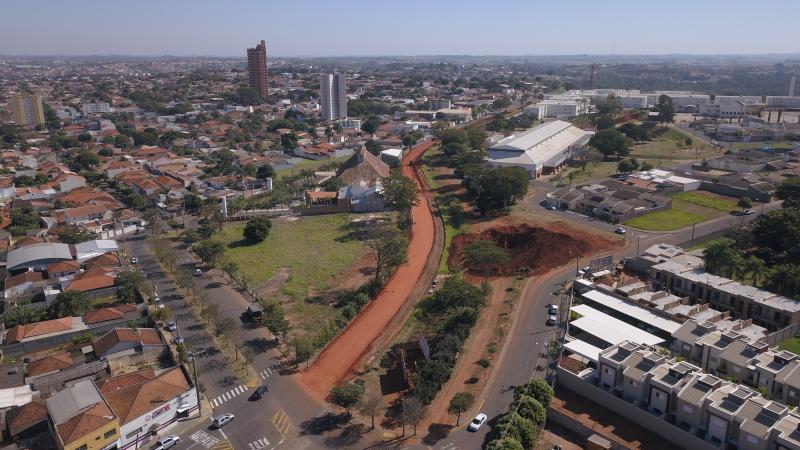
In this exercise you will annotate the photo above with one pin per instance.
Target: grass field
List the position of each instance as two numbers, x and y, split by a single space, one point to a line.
671 219
308 164
595 170
702 245
792 345
671 147
708 200
308 247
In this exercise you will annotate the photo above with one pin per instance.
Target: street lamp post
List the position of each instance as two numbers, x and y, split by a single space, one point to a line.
196 388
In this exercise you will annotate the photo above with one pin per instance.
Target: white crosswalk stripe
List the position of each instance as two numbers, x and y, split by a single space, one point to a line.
227 396
259 444
203 438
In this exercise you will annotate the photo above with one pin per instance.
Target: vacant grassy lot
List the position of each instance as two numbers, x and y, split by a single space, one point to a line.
309 247
309 164
671 219
792 345
708 200
671 147
595 170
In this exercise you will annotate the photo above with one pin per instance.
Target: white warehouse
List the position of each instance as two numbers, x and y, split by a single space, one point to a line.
542 149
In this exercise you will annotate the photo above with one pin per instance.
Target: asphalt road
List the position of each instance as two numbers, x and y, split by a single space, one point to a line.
525 357
272 422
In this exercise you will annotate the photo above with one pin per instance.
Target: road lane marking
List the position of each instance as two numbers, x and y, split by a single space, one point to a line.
282 424
204 439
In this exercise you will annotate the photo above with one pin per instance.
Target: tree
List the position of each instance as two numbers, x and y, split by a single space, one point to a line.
210 251
373 146
665 109
720 255
370 126
504 443
265 171
460 403
68 304
75 235
303 349
346 396
275 319
539 390
500 188
485 255
646 166
400 193
610 142
328 133
371 405
389 248
452 135
688 142
755 267
604 122
413 412
531 409
257 229
789 192
520 428
231 268
745 203
129 285
289 141
627 165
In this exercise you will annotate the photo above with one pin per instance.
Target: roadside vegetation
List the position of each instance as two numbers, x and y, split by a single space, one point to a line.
688 208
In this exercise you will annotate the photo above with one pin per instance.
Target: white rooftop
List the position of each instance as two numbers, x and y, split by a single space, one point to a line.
537 145
584 349
631 310
609 329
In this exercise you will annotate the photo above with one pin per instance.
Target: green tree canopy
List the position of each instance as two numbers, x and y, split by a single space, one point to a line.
257 229
460 403
500 187
346 396
610 142
485 255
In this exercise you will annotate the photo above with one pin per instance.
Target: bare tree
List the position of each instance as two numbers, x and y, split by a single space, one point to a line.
371 405
413 412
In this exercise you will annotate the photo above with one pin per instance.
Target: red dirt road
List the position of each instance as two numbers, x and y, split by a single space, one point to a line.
336 361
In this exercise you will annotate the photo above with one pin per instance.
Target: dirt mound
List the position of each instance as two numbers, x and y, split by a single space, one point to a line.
531 249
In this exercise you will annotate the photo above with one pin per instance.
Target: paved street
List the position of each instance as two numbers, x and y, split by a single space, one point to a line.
262 424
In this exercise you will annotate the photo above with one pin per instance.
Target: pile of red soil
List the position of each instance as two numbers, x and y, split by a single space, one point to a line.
531 249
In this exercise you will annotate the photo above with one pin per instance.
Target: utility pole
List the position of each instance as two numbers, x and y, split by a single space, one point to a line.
196 389
638 238
693 225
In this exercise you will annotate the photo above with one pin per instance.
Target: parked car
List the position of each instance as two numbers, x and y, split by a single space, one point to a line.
551 207
553 310
477 422
620 230
198 272
178 340
134 260
552 319
166 442
171 326
745 212
260 392
221 421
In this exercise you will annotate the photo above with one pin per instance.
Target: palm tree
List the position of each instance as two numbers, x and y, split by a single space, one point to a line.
755 267
328 133
719 255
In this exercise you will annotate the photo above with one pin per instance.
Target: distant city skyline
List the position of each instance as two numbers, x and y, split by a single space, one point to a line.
413 27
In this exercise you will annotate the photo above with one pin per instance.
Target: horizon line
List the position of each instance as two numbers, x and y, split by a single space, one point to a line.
485 55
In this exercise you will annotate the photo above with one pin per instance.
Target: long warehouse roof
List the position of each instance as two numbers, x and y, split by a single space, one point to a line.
609 329
670 326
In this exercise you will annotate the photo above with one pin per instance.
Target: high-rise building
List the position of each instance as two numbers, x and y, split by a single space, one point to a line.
333 96
27 109
257 68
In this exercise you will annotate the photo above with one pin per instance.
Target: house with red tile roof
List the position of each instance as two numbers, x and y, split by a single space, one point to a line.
49 364
79 415
125 311
47 328
92 280
121 342
147 400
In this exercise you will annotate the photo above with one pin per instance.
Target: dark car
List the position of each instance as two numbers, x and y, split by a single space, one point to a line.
260 392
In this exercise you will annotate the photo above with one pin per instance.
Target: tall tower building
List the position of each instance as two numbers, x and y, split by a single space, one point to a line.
333 96
27 109
257 68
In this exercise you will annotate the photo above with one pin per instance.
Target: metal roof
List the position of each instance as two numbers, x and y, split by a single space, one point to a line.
20 257
609 329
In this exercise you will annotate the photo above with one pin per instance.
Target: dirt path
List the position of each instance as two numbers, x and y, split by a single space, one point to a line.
482 333
340 356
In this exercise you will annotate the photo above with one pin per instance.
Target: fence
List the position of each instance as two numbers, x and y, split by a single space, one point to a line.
781 335
109 234
639 416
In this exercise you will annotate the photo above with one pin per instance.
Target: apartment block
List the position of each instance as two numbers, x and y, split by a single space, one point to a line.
27 109
683 404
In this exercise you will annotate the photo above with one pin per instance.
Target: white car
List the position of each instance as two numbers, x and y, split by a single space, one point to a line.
220 421
171 326
167 442
134 260
477 422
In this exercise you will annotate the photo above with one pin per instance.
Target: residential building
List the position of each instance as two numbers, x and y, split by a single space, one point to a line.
257 68
148 402
686 277
782 101
80 419
681 403
27 109
562 106
37 257
333 96
539 150
96 108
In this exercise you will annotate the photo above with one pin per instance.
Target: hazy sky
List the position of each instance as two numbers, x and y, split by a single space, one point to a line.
400 27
